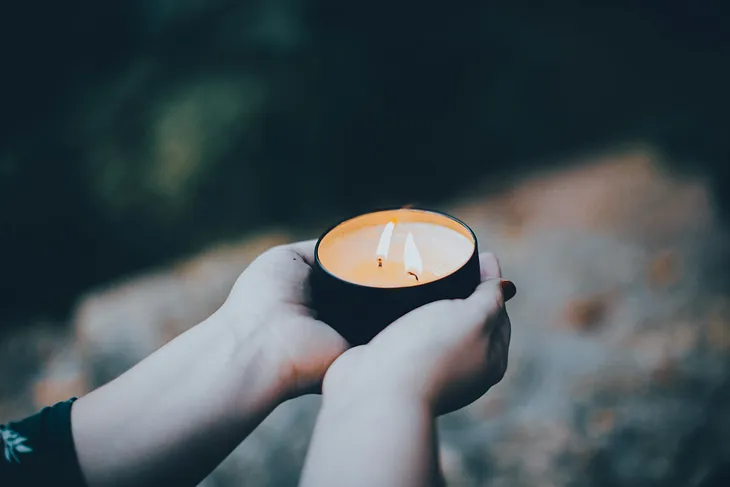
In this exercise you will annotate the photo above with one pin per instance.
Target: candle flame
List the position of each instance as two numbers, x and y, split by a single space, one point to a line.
384 244
412 257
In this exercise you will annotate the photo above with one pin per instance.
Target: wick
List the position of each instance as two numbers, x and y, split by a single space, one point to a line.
413 274
380 262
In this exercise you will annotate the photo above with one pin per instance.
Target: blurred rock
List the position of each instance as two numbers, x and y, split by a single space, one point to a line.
119 326
634 402
30 361
640 400
586 313
718 325
62 377
664 269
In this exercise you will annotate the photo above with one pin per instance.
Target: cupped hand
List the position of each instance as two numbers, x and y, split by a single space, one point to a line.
270 299
445 354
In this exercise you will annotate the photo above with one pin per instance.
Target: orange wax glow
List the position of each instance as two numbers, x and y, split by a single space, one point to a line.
366 250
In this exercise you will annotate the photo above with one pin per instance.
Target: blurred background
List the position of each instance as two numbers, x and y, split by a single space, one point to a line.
150 150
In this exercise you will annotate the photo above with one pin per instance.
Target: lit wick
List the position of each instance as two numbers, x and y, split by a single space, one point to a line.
412 257
384 244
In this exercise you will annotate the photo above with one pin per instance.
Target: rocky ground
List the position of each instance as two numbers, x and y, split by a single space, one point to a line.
621 337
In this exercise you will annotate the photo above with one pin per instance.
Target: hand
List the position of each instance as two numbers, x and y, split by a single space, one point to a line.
445 354
179 412
270 299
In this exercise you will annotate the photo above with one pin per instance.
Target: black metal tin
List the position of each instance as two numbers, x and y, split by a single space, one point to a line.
359 312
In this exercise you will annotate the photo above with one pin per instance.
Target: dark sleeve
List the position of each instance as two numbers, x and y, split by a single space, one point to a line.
39 450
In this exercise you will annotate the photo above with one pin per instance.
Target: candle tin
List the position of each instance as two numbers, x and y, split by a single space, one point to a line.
359 312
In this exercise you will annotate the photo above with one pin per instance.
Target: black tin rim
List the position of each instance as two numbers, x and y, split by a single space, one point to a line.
380 210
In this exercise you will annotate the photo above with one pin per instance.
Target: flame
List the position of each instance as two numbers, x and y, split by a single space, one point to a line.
412 257
384 244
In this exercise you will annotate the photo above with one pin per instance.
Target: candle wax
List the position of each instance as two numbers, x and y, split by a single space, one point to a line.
392 274
349 251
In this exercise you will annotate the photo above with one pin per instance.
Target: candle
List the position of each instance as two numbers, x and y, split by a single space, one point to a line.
396 248
374 268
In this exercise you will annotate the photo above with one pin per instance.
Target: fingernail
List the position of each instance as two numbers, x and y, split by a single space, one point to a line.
508 289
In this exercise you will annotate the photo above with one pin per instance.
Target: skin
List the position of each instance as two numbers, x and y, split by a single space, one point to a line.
377 422
172 418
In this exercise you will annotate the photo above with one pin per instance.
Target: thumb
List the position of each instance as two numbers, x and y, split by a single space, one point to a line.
488 297
491 294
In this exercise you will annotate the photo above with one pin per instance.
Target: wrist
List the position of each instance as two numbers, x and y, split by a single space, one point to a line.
359 378
362 392
367 401
253 362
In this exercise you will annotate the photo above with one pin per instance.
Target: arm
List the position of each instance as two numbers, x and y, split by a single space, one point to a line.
177 414
364 441
172 418
376 425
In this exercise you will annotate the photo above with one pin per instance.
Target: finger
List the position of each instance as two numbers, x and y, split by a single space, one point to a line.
489 266
487 298
499 349
509 289
507 331
503 330
283 272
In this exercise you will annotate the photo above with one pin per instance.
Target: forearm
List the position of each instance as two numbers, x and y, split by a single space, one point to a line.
177 414
384 441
